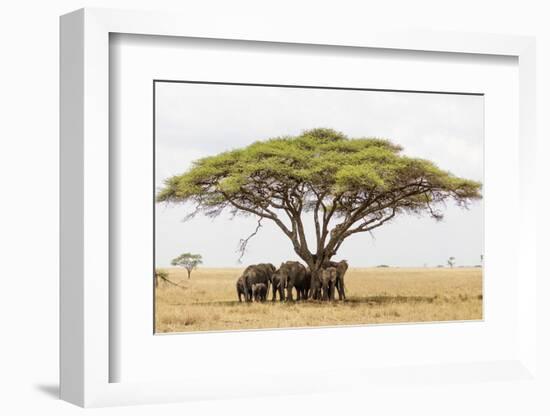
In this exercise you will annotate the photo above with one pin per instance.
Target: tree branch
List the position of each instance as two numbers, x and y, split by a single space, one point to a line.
365 227
266 214
243 242
170 282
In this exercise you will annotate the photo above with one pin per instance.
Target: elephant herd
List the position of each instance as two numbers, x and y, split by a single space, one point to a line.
257 280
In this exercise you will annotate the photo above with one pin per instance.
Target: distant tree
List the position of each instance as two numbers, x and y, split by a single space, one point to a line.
188 261
451 262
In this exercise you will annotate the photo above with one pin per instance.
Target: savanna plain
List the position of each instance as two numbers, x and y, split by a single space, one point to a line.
208 301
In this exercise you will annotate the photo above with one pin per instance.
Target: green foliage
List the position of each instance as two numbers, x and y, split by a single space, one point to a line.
322 160
363 180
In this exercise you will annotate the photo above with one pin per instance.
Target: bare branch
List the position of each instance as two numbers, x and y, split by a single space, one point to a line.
170 282
243 242
435 214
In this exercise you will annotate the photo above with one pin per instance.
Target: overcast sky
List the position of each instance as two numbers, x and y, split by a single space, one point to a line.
197 120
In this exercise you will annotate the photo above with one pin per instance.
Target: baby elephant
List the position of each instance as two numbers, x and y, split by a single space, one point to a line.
259 292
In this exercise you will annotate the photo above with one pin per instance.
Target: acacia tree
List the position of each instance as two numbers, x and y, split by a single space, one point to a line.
188 261
451 262
349 186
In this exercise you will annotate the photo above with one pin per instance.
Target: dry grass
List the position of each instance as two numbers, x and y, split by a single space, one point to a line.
209 300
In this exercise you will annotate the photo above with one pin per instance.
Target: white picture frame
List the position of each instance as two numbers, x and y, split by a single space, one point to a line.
85 219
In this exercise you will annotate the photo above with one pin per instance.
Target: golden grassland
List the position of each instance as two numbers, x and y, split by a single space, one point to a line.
208 301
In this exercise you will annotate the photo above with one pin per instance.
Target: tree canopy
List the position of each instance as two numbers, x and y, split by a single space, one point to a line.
350 185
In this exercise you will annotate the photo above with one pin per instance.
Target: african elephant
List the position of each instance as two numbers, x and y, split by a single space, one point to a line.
314 285
259 292
293 274
277 287
341 268
257 273
240 288
329 276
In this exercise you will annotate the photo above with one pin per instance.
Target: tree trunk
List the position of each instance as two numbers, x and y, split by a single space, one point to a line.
188 274
315 263
316 266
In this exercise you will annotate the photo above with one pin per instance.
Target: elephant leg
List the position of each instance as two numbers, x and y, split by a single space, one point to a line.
343 289
289 293
313 291
319 291
331 292
339 288
326 292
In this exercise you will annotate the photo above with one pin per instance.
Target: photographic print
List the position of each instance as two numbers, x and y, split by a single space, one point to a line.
296 207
